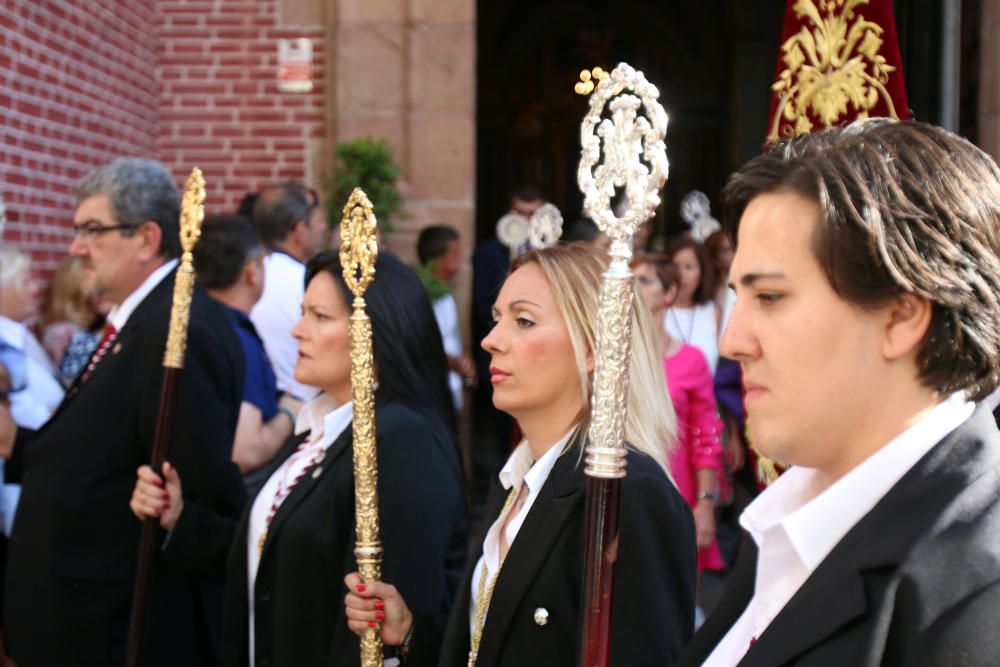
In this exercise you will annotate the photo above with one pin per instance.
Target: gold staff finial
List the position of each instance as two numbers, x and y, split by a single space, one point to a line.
623 152
585 86
358 252
192 215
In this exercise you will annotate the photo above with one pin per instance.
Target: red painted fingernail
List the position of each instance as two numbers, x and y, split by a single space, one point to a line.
361 588
159 512
158 482
379 604
166 496
379 616
372 624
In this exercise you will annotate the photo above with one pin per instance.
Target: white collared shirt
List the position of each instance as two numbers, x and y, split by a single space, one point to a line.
325 421
796 524
274 315
520 469
120 313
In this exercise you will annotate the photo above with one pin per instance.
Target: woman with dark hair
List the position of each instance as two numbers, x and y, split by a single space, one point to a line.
294 543
694 316
520 598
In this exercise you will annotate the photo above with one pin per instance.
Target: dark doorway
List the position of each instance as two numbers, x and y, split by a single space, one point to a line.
711 60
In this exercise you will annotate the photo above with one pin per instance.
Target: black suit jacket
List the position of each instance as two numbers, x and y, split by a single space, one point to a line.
915 582
74 546
653 608
299 590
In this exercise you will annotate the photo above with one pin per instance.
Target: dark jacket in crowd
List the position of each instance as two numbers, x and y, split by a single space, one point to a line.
653 609
74 547
915 582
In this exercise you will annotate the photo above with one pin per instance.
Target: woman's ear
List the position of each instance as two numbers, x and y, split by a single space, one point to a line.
591 363
671 295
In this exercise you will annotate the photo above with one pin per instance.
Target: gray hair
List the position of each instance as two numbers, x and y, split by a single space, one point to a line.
139 190
14 265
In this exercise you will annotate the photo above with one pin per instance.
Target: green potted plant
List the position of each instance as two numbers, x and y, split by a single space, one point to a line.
366 163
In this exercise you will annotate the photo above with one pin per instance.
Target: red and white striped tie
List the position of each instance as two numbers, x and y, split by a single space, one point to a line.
110 333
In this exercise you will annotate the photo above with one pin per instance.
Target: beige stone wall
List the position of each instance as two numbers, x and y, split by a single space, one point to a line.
405 70
989 91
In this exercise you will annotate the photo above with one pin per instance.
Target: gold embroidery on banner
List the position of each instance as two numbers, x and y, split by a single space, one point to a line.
834 66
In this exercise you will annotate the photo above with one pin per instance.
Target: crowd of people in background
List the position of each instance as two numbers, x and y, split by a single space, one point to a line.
256 503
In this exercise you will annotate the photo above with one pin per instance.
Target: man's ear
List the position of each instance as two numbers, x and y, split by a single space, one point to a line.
152 236
908 317
252 275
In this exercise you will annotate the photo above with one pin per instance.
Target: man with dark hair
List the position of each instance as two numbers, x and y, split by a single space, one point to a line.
490 262
439 250
73 550
867 322
229 261
291 223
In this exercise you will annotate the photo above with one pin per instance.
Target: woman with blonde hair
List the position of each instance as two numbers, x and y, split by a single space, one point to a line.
519 602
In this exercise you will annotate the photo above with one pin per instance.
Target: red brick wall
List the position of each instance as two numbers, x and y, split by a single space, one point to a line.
220 108
77 88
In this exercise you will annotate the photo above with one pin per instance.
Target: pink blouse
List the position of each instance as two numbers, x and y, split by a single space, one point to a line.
699 429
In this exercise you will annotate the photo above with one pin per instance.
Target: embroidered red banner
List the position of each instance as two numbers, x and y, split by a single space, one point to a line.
839 61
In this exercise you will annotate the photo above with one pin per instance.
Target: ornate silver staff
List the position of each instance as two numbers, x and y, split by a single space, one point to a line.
358 252
630 141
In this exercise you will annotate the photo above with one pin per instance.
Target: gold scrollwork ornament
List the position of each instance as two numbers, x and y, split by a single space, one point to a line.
192 215
831 67
358 252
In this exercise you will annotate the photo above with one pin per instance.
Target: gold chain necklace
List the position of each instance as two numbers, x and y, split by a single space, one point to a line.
484 592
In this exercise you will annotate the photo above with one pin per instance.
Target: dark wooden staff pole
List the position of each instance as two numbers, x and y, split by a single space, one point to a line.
192 213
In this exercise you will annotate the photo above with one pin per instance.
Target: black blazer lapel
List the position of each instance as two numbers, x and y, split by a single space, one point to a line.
816 611
560 496
457 641
859 567
734 600
305 486
139 316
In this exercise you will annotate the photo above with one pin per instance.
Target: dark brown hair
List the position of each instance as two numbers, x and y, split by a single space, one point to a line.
706 287
665 269
905 208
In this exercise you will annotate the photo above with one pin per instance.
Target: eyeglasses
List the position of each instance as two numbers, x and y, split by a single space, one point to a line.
91 229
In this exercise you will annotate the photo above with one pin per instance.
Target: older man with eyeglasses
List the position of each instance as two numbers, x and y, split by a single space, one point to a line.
74 544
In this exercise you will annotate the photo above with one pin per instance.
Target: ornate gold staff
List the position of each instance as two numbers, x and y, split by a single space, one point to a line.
358 252
634 159
192 215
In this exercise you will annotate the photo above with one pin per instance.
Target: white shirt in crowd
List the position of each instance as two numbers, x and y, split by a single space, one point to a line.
32 406
796 525
446 314
695 326
278 310
325 421
520 470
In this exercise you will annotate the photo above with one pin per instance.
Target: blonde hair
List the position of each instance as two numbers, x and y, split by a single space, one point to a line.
68 301
573 272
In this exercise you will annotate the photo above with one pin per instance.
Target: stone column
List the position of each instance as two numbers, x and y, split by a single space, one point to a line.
989 77
404 70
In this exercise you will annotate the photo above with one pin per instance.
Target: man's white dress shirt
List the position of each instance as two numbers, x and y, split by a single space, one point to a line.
796 524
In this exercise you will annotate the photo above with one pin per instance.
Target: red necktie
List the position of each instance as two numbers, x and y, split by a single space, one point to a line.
110 333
